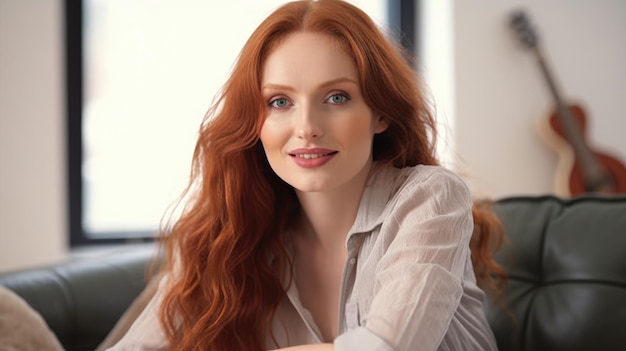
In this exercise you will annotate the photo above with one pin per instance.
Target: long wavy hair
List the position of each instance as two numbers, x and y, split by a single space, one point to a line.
227 249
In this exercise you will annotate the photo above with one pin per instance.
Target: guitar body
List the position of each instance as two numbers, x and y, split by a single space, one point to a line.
615 171
571 176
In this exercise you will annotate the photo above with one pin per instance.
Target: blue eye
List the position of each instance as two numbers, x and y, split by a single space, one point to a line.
338 99
279 103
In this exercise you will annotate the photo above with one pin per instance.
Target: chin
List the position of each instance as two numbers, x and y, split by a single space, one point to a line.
309 187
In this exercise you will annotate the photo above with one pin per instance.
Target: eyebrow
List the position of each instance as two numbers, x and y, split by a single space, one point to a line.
323 85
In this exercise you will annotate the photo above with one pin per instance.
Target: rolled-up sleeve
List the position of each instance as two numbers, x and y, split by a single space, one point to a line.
361 339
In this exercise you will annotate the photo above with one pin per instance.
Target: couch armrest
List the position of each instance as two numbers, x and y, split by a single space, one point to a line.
82 299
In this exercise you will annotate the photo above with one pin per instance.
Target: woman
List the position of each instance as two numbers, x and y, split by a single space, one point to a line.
317 216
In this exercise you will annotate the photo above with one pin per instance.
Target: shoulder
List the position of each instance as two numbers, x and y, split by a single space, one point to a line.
421 181
421 191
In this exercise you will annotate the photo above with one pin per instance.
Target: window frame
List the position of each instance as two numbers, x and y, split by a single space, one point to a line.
402 16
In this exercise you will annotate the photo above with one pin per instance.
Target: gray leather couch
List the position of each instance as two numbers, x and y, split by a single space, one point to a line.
566 262
82 299
567 288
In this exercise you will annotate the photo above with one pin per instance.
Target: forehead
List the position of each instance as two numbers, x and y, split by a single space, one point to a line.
305 57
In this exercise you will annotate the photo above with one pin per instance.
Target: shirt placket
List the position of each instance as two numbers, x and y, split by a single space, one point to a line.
347 281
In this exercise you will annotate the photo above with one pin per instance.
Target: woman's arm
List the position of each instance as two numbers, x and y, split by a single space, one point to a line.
421 274
424 240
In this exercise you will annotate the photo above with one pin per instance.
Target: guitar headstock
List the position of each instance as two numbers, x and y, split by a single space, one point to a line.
523 28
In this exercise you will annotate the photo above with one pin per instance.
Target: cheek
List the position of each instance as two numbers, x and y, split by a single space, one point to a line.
271 135
356 133
358 128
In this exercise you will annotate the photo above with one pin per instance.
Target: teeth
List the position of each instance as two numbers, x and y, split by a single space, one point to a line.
310 156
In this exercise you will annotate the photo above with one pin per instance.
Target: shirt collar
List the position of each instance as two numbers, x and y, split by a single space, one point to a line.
382 185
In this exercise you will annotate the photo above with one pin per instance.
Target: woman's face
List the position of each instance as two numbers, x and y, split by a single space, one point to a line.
318 131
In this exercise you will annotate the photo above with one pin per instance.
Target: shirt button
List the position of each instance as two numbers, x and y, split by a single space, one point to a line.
352 261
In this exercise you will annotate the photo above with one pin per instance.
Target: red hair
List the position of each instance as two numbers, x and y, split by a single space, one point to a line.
227 247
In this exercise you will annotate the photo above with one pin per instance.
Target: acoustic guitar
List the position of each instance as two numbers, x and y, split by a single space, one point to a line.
581 169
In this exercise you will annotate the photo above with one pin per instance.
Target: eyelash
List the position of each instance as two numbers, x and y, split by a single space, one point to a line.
273 101
346 97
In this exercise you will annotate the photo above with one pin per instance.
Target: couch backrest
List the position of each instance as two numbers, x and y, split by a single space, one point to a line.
81 300
566 261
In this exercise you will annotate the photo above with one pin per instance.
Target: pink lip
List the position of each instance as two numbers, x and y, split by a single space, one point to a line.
312 162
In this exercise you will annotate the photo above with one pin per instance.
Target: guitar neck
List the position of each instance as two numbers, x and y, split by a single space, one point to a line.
572 131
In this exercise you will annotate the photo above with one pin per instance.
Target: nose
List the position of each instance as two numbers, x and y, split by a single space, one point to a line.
308 125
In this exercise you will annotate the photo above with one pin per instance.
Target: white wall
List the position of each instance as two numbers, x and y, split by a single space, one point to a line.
499 95
496 100
32 140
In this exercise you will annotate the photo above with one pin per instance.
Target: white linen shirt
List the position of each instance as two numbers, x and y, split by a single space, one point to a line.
408 282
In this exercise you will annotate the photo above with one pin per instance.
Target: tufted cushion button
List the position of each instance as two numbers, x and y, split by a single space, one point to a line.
567 274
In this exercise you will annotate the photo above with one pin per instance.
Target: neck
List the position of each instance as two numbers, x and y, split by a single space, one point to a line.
328 216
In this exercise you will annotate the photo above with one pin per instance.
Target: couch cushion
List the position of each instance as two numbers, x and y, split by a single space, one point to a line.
567 274
81 300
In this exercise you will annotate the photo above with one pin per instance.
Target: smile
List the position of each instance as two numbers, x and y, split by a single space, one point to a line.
311 156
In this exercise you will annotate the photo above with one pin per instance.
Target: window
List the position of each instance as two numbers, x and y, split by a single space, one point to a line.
141 75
